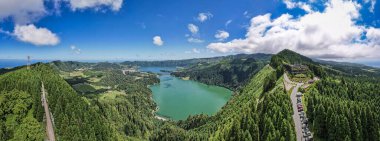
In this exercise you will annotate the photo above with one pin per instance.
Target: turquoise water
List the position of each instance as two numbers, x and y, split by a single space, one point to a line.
178 99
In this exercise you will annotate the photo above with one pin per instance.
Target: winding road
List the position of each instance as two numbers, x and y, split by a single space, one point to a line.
49 123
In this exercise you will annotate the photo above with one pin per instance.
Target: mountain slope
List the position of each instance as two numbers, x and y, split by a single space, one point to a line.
252 114
344 103
74 119
233 72
189 62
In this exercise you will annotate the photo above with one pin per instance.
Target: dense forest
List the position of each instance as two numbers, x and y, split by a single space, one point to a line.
232 72
344 104
21 108
189 62
99 101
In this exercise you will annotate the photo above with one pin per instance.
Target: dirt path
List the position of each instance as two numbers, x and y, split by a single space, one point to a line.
49 123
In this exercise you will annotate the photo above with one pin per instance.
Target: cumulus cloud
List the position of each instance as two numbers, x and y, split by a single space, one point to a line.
75 49
157 41
302 5
115 5
222 35
26 12
332 33
204 16
22 11
193 28
37 36
373 36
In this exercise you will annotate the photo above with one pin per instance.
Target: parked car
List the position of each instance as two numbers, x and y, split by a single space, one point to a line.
299 105
299 94
305 121
298 100
300 109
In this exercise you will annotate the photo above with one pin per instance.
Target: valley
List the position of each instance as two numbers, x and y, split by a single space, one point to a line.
241 97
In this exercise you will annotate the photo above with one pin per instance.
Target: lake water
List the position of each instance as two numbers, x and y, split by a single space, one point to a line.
177 98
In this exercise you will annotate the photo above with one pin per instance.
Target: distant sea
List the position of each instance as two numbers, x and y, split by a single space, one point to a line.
11 63
372 64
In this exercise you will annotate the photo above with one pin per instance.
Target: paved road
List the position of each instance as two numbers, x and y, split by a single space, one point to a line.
296 117
49 123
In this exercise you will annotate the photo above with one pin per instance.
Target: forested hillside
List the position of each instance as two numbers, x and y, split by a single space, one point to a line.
344 104
232 73
345 108
189 62
100 101
252 114
123 101
22 113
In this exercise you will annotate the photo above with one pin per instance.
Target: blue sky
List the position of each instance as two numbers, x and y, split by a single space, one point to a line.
124 29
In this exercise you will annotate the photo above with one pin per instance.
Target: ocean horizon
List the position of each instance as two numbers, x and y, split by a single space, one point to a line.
11 63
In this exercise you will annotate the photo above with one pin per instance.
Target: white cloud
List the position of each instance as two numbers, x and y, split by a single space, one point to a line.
194 37
302 5
22 11
158 41
332 33
373 35
115 5
193 28
194 50
194 40
37 36
75 49
228 23
222 35
373 3
204 16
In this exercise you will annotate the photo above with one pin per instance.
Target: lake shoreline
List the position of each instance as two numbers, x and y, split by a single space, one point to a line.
178 98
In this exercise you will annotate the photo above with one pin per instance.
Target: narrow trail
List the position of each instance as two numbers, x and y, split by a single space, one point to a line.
49 123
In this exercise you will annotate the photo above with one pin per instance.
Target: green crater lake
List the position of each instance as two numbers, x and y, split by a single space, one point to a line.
177 99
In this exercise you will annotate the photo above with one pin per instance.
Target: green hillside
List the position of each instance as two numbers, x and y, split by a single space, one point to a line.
21 108
98 101
232 73
344 103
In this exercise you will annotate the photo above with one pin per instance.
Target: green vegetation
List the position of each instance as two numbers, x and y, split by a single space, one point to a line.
189 62
250 115
345 109
123 101
344 104
97 101
232 73
73 118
